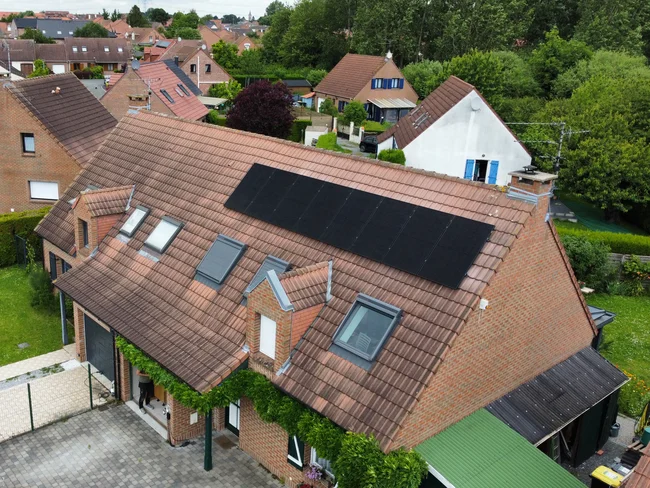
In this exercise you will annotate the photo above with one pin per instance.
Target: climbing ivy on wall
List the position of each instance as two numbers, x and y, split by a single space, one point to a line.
358 461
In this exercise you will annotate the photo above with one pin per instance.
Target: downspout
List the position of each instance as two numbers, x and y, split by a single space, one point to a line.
64 328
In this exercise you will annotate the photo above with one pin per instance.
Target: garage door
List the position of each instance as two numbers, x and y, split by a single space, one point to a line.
99 348
57 69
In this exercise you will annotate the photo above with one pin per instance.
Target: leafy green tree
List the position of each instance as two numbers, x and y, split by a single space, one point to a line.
328 107
105 14
354 112
547 14
229 90
135 18
116 15
611 24
225 55
315 76
250 62
422 76
188 33
271 9
37 36
91 29
158 15
588 259
263 108
554 56
518 79
272 39
230 19
40 69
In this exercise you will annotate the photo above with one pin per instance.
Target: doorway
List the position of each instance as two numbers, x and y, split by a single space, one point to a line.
232 417
158 401
480 170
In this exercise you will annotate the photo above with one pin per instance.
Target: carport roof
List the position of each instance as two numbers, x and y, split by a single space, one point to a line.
392 103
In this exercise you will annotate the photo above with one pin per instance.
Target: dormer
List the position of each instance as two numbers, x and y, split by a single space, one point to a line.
95 212
281 307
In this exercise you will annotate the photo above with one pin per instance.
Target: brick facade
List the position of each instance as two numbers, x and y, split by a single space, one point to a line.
535 319
125 377
301 321
49 163
179 427
117 102
200 78
79 332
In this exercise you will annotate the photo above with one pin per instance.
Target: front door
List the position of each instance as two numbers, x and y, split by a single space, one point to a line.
99 348
232 417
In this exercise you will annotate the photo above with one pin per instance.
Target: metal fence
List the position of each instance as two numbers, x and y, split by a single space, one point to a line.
21 250
42 397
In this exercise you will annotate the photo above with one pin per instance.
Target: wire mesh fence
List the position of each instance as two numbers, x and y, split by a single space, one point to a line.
29 403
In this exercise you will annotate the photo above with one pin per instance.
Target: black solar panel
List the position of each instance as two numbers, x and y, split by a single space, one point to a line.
434 245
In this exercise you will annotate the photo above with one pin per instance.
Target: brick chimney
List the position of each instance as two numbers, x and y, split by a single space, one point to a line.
280 310
532 186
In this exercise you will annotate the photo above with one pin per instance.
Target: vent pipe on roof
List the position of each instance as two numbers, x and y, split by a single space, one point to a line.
176 60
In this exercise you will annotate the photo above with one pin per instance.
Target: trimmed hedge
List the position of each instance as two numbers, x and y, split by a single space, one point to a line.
215 118
328 141
298 129
618 243
22 224
395 156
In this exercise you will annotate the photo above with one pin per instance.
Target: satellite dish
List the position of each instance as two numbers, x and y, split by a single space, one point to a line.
203 46
476 104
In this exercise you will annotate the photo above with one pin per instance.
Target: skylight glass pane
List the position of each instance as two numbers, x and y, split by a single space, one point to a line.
220 259
162 235
134 221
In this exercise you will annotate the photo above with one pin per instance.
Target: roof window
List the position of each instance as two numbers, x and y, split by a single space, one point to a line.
270 263
84 49
184 90
220 259
164 233
119 50
180 93
134 221
106 49
58 32
70 33
366 327
75 49
167 95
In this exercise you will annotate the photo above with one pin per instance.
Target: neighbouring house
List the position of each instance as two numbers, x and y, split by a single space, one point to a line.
50 128
455 131
21 53
109 53
144 36
244 44
160 87
153 53
211 36
10 73
18 25
374 81
58 29
195 59
119 28
395 304
55 57
5 29
298 88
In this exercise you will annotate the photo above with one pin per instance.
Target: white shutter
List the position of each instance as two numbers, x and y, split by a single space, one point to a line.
233 415
267 336
41 190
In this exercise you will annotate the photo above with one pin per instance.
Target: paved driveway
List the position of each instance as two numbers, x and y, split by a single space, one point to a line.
114 448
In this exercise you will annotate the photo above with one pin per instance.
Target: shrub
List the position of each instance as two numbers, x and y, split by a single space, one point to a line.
588 260
635 273
22 224
315 76
354 112
41 290
298 129
327 107
376 127
392 156
633 396
213 117
328 141
620 243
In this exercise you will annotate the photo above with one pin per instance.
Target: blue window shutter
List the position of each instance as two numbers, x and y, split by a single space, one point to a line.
385 83
469 169
372 85
401 82
492 176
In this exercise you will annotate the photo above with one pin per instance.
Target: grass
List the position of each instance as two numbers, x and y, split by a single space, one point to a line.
627 339
565 224
20 322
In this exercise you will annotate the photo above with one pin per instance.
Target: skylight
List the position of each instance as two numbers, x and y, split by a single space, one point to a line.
106 49
119 49
182 87
84 48
74 49
180 93
270 263
167 95
220 259
164 233
134 221
366 327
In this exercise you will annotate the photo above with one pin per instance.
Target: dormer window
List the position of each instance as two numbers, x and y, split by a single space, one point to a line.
84 234
163 235
366 327
134 221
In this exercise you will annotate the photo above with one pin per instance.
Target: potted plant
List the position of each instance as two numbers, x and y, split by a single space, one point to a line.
313 473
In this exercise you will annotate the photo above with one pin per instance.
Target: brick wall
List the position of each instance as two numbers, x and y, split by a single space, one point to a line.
103 225
116 99
79 332
301 321
535 320
49 163
204 80
125 377
179 427
61 255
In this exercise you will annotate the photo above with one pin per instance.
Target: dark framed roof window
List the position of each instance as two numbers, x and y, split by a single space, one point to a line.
219 261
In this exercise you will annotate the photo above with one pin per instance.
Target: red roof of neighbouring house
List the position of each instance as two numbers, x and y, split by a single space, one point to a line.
350 75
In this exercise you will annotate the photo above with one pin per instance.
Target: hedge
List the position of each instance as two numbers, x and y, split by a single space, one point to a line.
618 243
395 156
213 117
298 129
328 141
22 224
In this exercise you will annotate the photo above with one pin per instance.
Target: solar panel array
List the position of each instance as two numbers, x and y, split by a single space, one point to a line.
436 246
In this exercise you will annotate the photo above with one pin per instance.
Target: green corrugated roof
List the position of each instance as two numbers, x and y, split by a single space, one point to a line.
480 451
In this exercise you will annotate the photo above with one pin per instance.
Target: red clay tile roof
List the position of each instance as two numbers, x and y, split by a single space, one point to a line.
640 477
350 75
306 287
114 78
187 170
74 116
106 201
163 78
182 49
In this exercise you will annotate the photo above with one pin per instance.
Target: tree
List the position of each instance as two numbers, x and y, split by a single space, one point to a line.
229 90
315 76
40 69
158 15
328 107
272 8
422 76
230 19
37 36
354 112
183 21
225 55
554 56
116 15
518 78
188 33
135 18
611 24
272 39
105 14
91 29
263 108
250 62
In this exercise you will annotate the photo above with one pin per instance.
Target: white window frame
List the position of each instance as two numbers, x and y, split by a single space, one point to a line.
75 49
45 192
236 409
84 49
119 50
314 458
268 335
107 49
299 462
58 32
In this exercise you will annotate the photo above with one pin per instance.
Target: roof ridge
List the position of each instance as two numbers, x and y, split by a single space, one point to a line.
106 190
304 270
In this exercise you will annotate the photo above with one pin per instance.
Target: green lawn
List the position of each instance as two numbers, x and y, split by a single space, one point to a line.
627 339
19 322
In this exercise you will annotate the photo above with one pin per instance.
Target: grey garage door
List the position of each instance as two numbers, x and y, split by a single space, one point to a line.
99 348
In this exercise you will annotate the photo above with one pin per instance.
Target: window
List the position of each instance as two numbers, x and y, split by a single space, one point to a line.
270 263
70 33
324 464
342 106
220 259
167 95
268 329
164 233
58 32
52 266
110 67
84 233
134 221
43 190
43 32
192 68
394 83
295 452
377 83
180 93
150 38
119 50
65 267
28 143
106 49
183 89
208 68
75 49
366 327
84 49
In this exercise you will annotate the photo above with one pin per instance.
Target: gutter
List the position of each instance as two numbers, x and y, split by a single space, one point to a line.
444 481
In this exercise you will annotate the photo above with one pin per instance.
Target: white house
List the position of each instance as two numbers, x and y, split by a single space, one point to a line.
454 131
